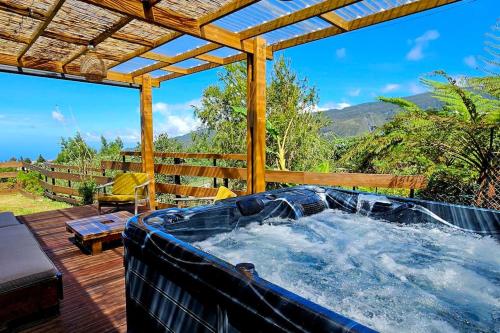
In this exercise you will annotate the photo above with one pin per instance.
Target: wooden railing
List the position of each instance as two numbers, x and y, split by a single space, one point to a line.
9 165
275 176
61 181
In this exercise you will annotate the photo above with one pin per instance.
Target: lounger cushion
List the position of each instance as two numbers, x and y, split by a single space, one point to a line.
118 198
22 261
7 219
125 183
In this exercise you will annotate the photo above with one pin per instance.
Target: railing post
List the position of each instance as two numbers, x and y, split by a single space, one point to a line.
69 181
104 175
53 181
412 193
215 179
177 178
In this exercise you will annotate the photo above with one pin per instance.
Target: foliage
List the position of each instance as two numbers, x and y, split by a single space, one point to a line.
293 137
163 143
30 181
77 152
40 159
87 189
456 146
110 150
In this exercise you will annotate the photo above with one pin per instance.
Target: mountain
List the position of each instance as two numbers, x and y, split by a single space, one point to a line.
359 119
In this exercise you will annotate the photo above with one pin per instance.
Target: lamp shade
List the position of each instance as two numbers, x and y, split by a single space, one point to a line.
92 67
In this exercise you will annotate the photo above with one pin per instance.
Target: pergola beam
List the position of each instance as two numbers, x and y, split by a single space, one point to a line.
200 68
52 12
339 26
184 56
22 10
335 20
369 20
296 17
174 21
57 67
227 9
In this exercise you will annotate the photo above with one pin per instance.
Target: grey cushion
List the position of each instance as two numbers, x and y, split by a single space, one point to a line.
22 261
7 219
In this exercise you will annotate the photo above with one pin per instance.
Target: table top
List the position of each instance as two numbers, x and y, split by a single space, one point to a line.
100 225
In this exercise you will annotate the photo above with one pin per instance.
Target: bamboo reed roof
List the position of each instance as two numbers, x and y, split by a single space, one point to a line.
173 38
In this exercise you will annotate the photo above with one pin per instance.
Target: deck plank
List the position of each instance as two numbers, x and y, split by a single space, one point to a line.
94 286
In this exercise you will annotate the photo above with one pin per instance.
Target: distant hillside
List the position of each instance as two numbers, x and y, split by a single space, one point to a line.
359 119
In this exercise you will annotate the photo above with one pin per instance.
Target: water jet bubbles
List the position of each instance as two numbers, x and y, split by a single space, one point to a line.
408 278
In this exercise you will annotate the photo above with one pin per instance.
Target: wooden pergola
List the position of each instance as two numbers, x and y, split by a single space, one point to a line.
50 38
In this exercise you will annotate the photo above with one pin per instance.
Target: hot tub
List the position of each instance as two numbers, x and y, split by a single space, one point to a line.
207 269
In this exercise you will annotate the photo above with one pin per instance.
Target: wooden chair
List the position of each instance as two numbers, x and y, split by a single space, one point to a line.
127 188
222 193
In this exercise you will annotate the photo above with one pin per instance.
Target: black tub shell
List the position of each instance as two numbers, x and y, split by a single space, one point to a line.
172 286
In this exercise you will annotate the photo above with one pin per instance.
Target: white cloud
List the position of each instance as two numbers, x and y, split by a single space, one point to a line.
390 87
354 92
159 107
471 61
58 116
177 125
416 88
331 105
420 43
176 119
162 107
341 53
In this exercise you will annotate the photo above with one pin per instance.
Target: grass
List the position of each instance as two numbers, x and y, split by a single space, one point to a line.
21 205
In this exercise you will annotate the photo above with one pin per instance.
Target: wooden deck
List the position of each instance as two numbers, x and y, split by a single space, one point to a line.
94 287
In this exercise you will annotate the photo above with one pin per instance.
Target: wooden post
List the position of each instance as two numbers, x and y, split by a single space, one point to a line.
256 117
177 178
147 135
215 179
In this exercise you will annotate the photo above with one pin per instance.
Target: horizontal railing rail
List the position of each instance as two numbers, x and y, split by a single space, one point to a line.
346 179
9 165
234 157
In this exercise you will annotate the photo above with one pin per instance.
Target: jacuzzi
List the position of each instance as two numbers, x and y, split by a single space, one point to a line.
173 285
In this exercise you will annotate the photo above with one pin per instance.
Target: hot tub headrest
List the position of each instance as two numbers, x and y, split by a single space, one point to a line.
250 206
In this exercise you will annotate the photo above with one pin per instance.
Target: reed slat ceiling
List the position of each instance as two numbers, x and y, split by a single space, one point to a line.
175 37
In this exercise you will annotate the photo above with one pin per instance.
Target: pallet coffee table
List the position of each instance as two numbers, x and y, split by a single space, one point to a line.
92 232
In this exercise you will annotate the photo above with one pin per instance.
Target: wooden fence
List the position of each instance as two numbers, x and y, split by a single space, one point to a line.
60 181
9 165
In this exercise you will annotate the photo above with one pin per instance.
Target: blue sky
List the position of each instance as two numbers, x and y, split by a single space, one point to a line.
349 69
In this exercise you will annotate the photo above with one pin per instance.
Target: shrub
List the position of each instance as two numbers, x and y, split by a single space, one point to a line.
451 185
87 190
30 181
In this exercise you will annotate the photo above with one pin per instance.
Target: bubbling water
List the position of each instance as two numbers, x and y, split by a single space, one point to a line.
393 278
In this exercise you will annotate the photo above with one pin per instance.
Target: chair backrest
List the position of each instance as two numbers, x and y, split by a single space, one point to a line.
126 182
224 193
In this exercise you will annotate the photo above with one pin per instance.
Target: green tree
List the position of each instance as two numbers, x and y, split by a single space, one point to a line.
110 150
40 159
294 140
